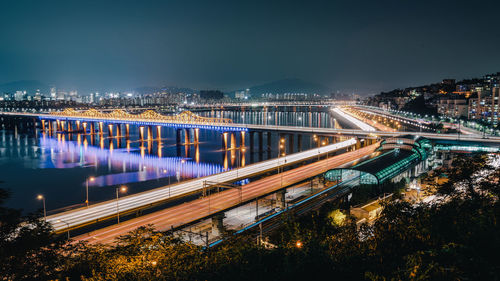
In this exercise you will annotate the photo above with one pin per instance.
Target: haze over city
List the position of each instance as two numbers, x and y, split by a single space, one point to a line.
361 47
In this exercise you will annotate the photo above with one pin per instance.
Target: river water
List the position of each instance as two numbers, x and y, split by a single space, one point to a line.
58 166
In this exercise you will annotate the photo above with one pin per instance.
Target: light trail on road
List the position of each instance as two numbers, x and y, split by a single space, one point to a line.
200 208
360 124
109 208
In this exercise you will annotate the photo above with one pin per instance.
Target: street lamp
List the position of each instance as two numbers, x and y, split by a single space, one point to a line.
41 197
298 244
66 224
122 189
87 188
281 154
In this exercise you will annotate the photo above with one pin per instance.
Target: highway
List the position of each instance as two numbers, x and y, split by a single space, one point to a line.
201 208
361 133
417 121
100 211
362 125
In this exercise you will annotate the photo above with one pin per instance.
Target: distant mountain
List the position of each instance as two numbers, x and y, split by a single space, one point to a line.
293 85
146 90
30 86
168 89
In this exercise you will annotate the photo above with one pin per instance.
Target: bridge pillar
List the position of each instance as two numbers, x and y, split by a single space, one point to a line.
196 135
269 141
242 140
261 141
43 125
58 124
158 133
84 125
251 136
178 137
187 136
299 142
101 128
150 133
358 144
218 225
127 131
118 138
70 127
281 144
290 143
141 134
224 140
110 130
118 130
280 199
233 140
77 123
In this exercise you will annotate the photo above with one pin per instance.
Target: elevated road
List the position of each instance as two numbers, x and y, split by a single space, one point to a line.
372 134
101 211
204 207
188 120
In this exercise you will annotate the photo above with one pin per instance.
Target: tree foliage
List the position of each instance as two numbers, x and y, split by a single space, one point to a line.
28 248
454 239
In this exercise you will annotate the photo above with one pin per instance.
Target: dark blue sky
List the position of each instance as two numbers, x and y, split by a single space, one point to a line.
362 46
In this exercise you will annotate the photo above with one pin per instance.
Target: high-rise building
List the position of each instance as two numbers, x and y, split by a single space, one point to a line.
455 107
484 105
53 93
19 95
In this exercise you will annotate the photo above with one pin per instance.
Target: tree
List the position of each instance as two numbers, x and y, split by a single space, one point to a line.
28 248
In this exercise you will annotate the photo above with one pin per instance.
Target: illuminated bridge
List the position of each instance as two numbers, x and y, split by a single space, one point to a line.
185 119
107 209
117 121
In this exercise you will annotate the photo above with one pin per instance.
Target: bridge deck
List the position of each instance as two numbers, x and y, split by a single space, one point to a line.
198 209
129 203
291 129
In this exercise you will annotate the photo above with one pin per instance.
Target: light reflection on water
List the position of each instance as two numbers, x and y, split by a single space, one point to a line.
59 166
132 166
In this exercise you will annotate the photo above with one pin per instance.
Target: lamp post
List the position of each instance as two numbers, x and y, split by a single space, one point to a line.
41 197
87 188
66 224
282 147
122 189
459 129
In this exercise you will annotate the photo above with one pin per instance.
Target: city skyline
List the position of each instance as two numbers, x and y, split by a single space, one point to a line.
363 48
249 140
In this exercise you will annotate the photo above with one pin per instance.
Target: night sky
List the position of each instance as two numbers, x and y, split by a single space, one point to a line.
353 46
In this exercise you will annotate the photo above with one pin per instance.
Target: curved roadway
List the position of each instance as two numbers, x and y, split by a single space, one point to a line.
109 208
200 208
